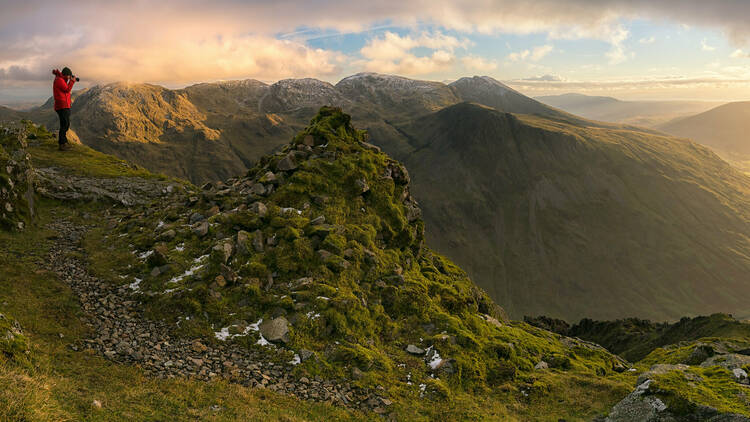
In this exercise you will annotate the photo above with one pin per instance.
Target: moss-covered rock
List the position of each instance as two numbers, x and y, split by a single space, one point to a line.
14 346
16 178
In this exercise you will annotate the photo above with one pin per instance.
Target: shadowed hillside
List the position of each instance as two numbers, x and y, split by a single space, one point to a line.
574 222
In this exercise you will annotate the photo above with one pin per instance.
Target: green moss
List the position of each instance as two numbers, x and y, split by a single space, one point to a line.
713 387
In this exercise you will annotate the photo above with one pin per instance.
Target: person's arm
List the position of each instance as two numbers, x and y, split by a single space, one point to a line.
61 86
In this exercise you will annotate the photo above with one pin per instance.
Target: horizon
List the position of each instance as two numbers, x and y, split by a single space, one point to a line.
30 103
630 50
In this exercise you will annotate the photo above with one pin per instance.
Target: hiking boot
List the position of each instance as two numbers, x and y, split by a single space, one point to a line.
65 147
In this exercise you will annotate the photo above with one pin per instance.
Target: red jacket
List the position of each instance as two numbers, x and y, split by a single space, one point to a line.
61 90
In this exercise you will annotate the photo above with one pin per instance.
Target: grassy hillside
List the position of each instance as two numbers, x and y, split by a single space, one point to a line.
376 290
570 222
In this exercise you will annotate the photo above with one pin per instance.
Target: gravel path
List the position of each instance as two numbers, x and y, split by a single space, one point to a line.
122 334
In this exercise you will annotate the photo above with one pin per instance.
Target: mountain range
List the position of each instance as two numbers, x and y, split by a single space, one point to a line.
549 212
723 128
609 109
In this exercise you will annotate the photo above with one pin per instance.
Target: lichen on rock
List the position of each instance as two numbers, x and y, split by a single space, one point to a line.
16 178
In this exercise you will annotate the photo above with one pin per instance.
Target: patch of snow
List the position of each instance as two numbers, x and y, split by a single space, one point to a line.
291 210
180 247
146 254
313 315
135 284
223 334
295 360
422 388
187 273
262 341
200 258
435 360
324 298
160 225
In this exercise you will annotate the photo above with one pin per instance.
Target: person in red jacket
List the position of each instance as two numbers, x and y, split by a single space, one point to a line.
61 88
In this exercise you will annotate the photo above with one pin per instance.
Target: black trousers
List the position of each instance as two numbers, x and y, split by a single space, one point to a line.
64 115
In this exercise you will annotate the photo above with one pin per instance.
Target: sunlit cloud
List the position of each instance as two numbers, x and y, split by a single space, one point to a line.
535 54
478 63
393 53
706 47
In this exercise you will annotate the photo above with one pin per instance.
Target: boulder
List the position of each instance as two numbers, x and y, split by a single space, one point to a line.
258 241
243 242
168 235
414 350
223 251
275 330
201 229
196 217
287 163
159 255
258 189
259 208
362 185
305 354
699 354
541 365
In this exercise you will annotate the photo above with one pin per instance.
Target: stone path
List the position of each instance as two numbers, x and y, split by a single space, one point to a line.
122 334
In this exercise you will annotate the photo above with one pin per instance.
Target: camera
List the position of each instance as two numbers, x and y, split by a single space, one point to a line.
78 79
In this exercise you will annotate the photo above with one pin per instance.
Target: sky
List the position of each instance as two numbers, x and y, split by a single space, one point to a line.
629 49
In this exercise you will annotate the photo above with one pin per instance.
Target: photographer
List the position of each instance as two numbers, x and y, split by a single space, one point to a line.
61 88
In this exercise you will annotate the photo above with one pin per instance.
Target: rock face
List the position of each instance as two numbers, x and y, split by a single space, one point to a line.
16 179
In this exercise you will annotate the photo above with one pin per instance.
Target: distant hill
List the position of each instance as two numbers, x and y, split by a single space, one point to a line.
572 221
549 212
608 109
9 114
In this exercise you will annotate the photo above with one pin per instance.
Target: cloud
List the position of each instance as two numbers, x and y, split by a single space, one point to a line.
544 78
190 40
706 47
739 54
649 40
534 55
393 53
479 64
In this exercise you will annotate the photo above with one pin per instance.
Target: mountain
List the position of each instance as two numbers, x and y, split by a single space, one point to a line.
723 128
640 113
548 212
492 93
578 221
303 287
9 114
634 338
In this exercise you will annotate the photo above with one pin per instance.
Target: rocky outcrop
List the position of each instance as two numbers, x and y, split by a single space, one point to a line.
644 405
16 179
126 191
